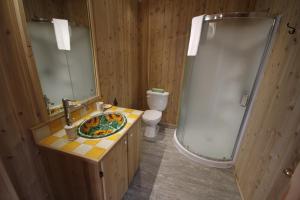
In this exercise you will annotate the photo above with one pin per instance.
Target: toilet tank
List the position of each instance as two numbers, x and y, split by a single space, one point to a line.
157 100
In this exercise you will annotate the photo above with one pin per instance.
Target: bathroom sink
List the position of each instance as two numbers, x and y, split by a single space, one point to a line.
102 125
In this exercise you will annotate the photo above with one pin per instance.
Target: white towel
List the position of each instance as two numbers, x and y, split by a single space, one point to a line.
195 35
61 29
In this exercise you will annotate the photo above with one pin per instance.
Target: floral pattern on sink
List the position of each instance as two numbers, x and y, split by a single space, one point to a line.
102 125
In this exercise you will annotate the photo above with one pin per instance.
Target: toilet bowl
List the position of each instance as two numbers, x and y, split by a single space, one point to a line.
151 118
157 103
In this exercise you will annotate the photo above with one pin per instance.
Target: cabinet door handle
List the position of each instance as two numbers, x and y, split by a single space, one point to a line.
101 174
125 141
131 135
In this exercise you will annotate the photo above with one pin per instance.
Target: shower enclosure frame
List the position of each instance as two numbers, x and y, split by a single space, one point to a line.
259 75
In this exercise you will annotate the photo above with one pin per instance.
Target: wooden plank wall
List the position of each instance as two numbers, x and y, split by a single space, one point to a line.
272 140
164 27
20 107
115 25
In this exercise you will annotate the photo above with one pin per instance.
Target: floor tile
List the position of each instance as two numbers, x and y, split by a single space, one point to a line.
166 174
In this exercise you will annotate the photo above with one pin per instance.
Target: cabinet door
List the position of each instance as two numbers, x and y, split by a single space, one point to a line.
134 139
114 168
71 178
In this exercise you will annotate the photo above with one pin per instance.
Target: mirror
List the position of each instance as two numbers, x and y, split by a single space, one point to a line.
60 35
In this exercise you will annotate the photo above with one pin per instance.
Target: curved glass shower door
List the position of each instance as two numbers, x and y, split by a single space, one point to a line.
218 83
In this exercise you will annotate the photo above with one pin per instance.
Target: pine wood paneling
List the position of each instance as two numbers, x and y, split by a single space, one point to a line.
164 27
116 48
21 106
272 138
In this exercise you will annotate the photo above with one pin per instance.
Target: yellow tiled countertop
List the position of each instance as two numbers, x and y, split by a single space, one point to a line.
90 149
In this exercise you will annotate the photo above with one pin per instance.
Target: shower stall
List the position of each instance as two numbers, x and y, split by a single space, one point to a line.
220 83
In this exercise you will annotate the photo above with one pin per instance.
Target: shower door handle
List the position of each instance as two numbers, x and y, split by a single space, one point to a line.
244 100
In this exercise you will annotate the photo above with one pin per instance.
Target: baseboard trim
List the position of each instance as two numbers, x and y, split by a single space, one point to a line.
238 185
167 125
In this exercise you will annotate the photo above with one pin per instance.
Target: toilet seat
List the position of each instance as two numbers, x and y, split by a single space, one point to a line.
152 116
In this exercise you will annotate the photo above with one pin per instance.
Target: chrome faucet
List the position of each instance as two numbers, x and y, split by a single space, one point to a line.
67 104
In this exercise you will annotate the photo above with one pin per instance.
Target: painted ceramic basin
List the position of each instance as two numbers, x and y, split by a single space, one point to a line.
102 125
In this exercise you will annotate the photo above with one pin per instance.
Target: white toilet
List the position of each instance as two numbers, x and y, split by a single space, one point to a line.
157 103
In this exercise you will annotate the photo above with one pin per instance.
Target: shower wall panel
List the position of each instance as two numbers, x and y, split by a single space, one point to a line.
218 82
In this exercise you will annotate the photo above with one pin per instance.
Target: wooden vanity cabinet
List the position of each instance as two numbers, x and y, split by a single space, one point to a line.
134 141
120 164
114 168
72 178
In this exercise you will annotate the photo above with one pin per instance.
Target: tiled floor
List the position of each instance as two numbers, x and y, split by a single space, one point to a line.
166 174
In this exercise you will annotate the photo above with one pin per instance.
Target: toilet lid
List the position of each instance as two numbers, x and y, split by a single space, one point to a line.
151 114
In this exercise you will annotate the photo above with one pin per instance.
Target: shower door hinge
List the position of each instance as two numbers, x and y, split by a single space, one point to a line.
244 100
